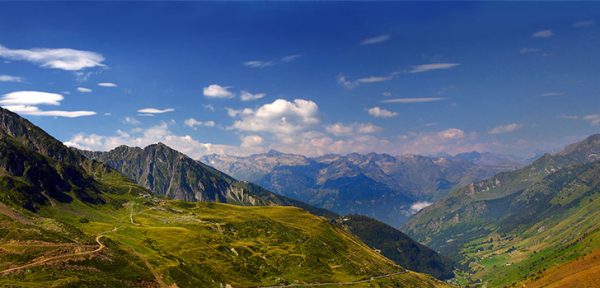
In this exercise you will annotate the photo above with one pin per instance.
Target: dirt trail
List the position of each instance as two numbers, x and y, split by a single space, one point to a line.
61 257
337 283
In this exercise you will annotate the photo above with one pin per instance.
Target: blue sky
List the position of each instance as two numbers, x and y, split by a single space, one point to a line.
309 78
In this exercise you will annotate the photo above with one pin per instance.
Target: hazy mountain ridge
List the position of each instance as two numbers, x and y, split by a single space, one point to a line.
399 182
524 221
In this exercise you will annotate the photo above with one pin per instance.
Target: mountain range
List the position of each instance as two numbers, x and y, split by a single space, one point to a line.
519 226
382 186
70 221
174 175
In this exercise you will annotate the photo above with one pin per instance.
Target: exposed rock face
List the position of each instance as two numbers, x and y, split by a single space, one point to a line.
172 174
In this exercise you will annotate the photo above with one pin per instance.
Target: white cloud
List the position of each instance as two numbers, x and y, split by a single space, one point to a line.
452 133
61 58
107 84
594 119
155 110
349 83
413 100
159 133
376 39
25 103
269 63
543 34
339 129
251 141
84 90
584 23
217 91
279 117
247 96
317 143
31 98
432 66
35 111
508 128
418 206
258 63
381 113
193 123
8 78
131 121
374 79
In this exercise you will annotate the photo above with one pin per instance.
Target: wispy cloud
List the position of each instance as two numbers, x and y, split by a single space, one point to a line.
432 67
131 121
269 63
107 84
9 78
193 123
413 100
26 103
568 117
340 129
584 23
376 39
155 110
217 91
553 94
381 113
350 83
251 141
593 119
247 96
60 58
508 128
84 90
543 34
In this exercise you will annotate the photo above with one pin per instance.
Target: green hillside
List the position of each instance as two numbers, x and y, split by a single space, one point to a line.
157 243
170 173
513 227
67 221
397 246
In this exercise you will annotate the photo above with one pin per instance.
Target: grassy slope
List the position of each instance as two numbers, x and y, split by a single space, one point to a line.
182 243
568 232
582 272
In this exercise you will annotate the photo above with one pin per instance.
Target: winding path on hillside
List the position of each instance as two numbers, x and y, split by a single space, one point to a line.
101 246
337 283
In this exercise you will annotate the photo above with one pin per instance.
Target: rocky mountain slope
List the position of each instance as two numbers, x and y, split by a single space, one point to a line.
378 185
512 227
170 173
